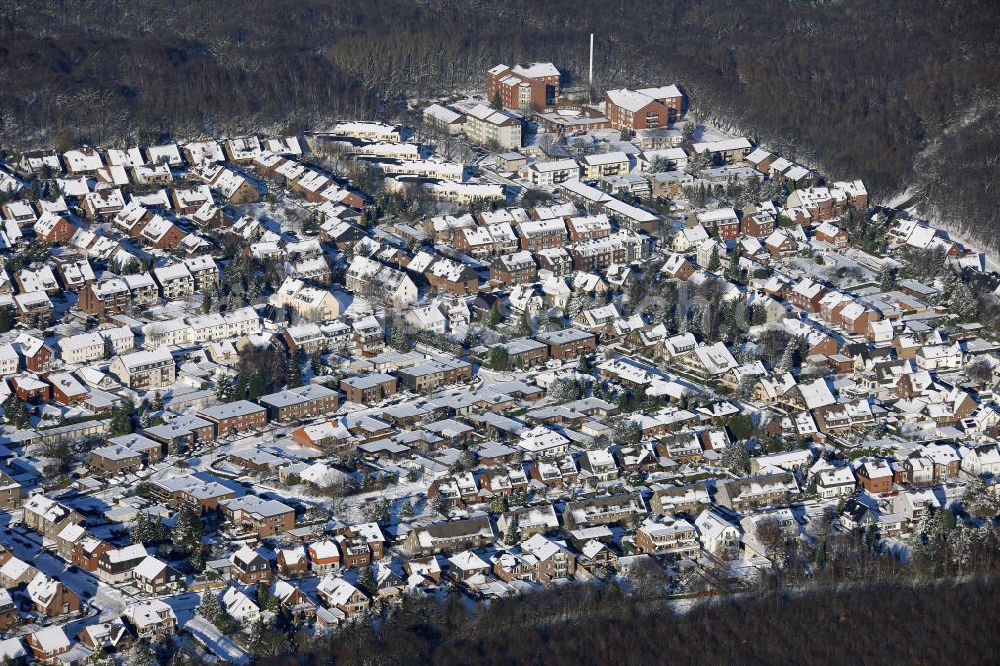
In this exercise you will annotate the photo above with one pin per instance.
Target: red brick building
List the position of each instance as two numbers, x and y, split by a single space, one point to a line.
568 343
239 416
529 86
643 108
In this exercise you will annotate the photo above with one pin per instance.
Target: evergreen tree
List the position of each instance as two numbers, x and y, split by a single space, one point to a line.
121 421
733 273
257 386
16 412
366 581
210 608
886 281
736 457
109 349
381 511
187 532
257 637
510 536
978 501
406 511
821 555
295 374
498 504
148 529
141 654
399 340
788 357
714 262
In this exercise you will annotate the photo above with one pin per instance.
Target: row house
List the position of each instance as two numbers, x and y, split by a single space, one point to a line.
176 282
754 492
602 165
379 282
235 417
450 536
827 203
192 492
444 119
432 374
310 303
588 227
557 261
102 203
265 518
542 234
233 188
486 240
524 352
307 339
604 510
116 565
807 294
450 276
368 389
551 173
690 499
296 404
726 151
568 344
107 297
724 221
513 269
48 517
676 538
187 201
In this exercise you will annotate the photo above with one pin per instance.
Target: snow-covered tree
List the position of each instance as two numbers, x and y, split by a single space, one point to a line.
210 608
736 458
148 529
187 532
978 501
510 536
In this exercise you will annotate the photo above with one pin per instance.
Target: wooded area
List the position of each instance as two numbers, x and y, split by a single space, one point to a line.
892 92
942 623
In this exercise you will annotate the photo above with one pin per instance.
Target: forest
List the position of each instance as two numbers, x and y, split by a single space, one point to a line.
900 93
932 624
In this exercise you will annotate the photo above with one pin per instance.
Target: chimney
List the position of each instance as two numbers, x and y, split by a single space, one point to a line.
590 80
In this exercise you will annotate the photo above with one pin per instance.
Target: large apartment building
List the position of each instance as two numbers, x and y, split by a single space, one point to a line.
529 86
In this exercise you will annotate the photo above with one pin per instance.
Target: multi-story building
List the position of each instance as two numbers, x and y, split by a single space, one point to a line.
643 108
530 86
144 370
265 518
235 417
497 129
295 404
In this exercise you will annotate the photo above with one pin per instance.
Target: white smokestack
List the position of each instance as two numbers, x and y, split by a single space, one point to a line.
591 77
